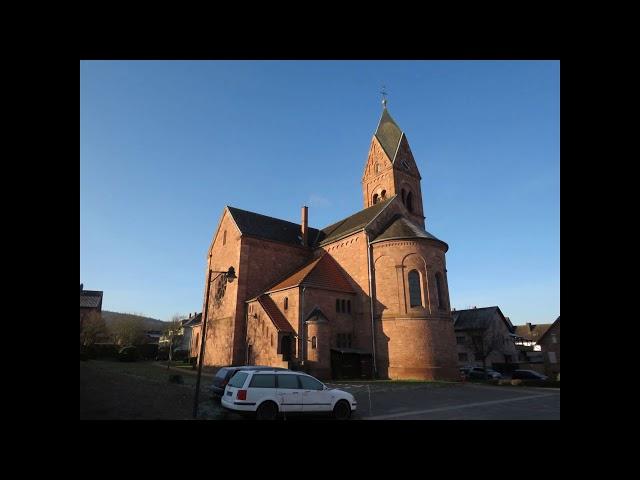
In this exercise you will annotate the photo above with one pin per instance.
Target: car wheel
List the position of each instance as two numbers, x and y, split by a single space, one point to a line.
342 410
267 411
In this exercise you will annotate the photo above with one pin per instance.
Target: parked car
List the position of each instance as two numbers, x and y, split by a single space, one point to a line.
128 354
478 373
269 393
528 375
225 373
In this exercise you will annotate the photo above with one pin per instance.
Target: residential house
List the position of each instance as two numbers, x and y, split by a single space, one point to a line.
485 332
526 339
90 305
549 343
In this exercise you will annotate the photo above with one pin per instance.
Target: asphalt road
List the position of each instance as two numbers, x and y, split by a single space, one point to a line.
425 401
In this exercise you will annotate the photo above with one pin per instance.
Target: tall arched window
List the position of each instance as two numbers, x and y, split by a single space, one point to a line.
415 295
383 194
286 302
375 198
410 202
440 292
314 343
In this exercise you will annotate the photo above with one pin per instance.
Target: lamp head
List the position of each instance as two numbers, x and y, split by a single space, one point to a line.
231 274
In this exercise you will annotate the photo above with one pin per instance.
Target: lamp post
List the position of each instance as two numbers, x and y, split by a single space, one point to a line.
229 276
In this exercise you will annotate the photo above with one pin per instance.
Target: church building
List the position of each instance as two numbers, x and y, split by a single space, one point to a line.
364 297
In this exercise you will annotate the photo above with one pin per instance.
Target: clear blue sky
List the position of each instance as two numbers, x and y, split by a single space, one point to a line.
165 145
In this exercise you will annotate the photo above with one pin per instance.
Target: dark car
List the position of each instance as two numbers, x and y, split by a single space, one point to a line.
478 373
128 354
528 375
225 373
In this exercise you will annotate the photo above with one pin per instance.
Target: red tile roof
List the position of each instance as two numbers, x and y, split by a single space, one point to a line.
279 320
323 272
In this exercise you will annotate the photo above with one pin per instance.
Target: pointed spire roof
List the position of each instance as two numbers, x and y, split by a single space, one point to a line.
388 134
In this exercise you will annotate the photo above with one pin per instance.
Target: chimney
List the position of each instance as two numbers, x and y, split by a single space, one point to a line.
305 224
189 314
81 287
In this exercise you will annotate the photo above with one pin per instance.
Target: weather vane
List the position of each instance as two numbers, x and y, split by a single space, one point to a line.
384 96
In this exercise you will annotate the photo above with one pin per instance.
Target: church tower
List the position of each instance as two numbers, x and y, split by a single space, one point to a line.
392 170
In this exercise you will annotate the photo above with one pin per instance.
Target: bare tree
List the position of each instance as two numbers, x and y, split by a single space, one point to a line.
173 334
128 330
93 326
484 342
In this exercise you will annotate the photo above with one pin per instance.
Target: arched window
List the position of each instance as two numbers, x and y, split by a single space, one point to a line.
410 202
224 237
286 302
383 195
375 198
404 196
440 292
272 339
415 296
314 343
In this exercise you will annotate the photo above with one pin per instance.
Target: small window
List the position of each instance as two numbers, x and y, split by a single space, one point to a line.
554 338
440 292
286 302
264 380
415 295
343 305
375 199
404 196
460 340
383 195
224 237
310 383
462 357
348 306
272 339
409 202
314 343
288 381
337 305
238 379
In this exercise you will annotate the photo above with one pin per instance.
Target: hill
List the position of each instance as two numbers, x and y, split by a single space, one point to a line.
149 323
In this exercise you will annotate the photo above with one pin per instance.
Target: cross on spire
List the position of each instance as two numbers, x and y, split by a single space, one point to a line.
384 96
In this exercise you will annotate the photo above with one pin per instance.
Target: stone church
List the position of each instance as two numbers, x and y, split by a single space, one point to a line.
364 297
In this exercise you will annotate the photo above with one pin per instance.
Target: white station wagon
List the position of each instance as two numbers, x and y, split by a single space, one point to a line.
270 393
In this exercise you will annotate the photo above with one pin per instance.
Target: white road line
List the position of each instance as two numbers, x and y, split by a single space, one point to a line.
455 407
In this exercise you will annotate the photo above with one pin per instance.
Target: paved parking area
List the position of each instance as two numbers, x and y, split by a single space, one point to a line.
442 401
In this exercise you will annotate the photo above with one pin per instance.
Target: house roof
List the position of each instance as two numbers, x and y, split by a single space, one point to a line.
557 320
401 227
322 272
316 312
388 134
90 298
477 318
532 332
274 313
270 228
352 223
193 320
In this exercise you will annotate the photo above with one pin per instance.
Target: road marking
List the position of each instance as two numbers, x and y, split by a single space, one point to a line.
455 407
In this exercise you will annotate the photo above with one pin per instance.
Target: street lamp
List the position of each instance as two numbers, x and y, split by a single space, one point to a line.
229 276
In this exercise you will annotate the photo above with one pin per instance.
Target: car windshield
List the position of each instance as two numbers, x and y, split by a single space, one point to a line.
222 372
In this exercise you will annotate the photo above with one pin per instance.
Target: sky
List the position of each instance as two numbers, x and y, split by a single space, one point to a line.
165 145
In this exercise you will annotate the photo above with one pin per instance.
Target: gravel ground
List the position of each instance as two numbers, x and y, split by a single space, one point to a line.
111 390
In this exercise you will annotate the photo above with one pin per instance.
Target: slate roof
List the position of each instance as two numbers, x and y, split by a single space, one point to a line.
351 224
388 134
271 228
274 313
557 320
90 299
195 320
401 227
322 272
534 333
476 318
